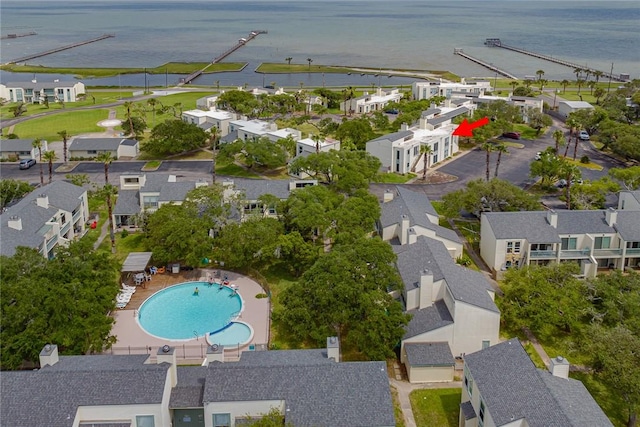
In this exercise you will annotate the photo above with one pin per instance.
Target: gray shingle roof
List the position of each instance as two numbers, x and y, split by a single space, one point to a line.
431 111
284 357
127 203
39 85
466 409
512 388
429 354
628 225
51 396
254 188
448 116
393 136
175 191
416 206
61 195
466 285
12 145
106 144
428 319
324 394
190 387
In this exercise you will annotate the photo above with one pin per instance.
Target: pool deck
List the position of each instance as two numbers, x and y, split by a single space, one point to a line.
132 339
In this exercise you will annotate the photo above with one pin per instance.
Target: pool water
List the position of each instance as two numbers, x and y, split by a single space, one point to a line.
237 333
178 313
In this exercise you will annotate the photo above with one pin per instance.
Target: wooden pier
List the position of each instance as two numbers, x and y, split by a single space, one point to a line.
495 42
484 64
59 49
241 42
15 36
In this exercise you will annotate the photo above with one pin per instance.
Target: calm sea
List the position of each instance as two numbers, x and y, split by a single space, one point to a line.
385 34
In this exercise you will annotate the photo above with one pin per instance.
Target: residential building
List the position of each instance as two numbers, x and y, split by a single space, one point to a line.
35 92
311 388
452 306
307 146
567 107
146 193
426 90
524 103
368 103
211 118
254 129
502 387
92 147
52 215
400 152
18 149
207 102
600 239
629 200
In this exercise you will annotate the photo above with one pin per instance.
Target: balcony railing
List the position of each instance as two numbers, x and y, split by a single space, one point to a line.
52 241
607 252
633 251
543 254
76 215
575 253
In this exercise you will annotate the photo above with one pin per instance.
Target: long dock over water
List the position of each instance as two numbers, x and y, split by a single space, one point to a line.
59 49
495 42
15 36
484 64
241 42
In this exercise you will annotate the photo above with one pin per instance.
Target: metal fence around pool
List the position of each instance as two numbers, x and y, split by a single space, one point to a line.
187 351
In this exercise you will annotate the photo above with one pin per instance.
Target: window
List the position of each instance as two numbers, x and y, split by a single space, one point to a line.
481 414
92 152
569 243
145 421
150 202
468 381
485 344
416 150
221 420
398 155
513 247
602 243
132 180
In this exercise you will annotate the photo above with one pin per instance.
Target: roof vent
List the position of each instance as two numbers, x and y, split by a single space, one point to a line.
214 347
166 348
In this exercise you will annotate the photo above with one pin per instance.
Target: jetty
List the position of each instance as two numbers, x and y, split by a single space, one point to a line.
241 42
484 64
59 49
15 36
496 42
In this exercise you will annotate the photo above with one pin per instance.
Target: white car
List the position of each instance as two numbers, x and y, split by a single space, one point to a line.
583 135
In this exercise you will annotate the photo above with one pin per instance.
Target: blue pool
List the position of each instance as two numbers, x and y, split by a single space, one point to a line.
177 313
236 333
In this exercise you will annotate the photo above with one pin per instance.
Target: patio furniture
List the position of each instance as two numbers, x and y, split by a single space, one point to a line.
161 270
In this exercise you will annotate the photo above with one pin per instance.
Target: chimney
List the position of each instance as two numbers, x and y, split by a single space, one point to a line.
426 289
404 126
412 236
167 354
611 216
404 228
15 222
49 355
552 218
388 196
215 353
333 348
559 367
43 201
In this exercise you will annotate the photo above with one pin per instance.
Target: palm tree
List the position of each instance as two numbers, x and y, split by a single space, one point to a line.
500 148
579 83
587 73
152 102
215 137
599 93
542 82
37 143
540 73
569 172
558 136
109 191
309 60
288 59
348 93
128 105
105 158
426 151
50 156
597 74
65 138
564 84
577 72
514 84
488 147
591 85
572 124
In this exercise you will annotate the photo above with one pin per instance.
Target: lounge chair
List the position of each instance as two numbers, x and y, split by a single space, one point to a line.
121 305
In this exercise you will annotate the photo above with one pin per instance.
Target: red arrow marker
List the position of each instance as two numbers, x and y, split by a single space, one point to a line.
466 129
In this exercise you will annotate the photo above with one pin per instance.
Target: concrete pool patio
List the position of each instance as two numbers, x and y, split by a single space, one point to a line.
132 339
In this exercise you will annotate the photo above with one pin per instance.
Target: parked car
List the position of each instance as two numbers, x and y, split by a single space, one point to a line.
392 111
562 183
27 163
511 135
583 135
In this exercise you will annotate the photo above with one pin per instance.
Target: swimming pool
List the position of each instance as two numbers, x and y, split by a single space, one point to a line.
235 334
178 313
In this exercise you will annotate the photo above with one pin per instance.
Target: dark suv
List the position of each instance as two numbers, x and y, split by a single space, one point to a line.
27 163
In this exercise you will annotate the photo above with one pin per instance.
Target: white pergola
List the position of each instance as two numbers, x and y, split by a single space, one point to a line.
136 262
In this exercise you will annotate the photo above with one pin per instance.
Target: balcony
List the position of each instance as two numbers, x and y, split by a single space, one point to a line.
607 253
575 253
543 254
76 215
52 241
633 251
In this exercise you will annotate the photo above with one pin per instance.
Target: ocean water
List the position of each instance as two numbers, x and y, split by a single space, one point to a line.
380 34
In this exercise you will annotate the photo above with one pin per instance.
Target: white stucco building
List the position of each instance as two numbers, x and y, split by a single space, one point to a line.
210 119
425 90
35 92
368 103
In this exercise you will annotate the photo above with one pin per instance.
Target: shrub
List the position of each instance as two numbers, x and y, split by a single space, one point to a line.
124 233
584 159
261 296
464 260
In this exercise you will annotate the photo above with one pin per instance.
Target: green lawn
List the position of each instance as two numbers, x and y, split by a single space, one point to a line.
88 72
394 178
74 122
526 132
231 169
275 68
436 408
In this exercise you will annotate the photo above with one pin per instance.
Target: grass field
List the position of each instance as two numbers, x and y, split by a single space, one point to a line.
394 178
74 122
436 408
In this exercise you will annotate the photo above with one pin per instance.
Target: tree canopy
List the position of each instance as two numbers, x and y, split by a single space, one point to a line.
173 137
12 190
64 301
